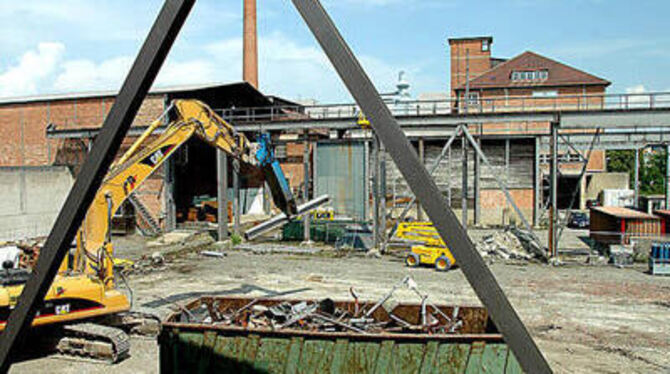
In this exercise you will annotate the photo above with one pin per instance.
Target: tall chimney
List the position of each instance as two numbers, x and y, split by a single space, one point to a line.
250 68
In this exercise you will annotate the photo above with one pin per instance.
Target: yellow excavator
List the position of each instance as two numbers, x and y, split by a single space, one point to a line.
85 290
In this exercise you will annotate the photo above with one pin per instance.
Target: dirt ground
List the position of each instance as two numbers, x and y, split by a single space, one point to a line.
586 319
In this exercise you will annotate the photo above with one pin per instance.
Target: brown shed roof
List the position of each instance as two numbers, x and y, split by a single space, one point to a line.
559 74
625 213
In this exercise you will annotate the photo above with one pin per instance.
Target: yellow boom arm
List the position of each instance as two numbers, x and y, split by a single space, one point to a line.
188 118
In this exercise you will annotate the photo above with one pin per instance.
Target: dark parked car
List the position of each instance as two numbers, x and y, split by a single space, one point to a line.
579 220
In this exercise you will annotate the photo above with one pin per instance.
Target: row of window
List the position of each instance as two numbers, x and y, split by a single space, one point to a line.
535 75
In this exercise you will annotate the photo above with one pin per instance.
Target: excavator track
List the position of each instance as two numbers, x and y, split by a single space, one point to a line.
94 341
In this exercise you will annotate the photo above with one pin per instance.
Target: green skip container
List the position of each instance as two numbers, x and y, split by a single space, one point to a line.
187 347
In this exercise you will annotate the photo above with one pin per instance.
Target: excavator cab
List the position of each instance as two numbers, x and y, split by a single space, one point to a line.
274 176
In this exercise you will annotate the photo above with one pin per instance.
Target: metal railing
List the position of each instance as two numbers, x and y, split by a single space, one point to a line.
493 105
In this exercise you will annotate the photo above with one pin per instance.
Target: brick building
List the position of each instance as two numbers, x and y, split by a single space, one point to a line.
55 131
527 82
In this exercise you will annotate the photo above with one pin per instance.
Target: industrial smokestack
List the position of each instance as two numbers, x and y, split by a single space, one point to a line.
250 68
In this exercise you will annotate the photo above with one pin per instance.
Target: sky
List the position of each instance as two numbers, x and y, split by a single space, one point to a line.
83 45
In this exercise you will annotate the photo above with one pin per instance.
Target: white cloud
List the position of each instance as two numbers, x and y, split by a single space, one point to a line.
86 75
639 89
287 68
31 71
639 98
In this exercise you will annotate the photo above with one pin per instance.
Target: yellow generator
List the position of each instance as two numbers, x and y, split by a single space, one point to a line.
431 250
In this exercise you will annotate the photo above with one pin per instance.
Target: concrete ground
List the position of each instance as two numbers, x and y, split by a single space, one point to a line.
586 319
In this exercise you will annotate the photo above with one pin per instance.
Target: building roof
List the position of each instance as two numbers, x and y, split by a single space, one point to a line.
663 212
560 74
109 93
624 213
470 38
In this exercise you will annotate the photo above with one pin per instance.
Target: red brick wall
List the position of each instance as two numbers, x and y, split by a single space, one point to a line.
23 127
464 53
495 208
23 130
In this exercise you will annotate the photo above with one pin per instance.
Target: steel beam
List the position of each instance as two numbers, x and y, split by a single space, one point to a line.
446 149
577 188
537 185
142 75
501 184
464 180
667 176
422 159
305 197
237 204
423 186
637 178
553 195
281 218
222 194
478 181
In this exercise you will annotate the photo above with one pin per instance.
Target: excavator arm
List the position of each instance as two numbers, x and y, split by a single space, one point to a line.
186 118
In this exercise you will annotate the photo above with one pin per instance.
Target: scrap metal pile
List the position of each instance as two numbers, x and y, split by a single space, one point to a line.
329 316
512 244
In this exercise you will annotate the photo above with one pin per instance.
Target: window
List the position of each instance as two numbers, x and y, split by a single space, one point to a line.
473 98
534 75
545 93
485 45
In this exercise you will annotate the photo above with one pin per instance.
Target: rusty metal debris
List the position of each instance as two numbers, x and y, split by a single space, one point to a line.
325 315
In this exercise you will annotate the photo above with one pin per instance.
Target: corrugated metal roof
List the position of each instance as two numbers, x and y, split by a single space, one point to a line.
108 93
625 213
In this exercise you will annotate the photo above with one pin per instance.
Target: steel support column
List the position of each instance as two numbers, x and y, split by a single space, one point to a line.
455 237
422 158
237 207
305 192
477 179
374 167
446 150
464 182
537 185
553 210
140 78
382 197
636 186
222 194
667 176
501 184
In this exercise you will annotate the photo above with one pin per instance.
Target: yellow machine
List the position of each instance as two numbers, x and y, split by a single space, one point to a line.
85 286
432 250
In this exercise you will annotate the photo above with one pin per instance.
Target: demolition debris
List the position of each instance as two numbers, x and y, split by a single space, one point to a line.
326 316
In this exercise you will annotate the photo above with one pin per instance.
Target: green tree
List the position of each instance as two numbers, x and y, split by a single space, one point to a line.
652 175
622 162
652 168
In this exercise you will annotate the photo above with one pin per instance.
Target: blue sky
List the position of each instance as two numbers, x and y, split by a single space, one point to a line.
83 45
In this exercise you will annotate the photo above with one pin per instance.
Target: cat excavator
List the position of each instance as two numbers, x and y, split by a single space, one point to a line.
85 300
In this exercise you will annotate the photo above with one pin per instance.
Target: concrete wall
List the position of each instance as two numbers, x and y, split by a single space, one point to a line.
601 181
30 199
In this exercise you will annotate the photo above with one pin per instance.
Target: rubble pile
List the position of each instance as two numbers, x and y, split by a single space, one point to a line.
511 244
30 251
326 316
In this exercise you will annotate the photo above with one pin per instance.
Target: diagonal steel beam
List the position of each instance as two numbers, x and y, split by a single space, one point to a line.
423 186
432 171
140 78
501 184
